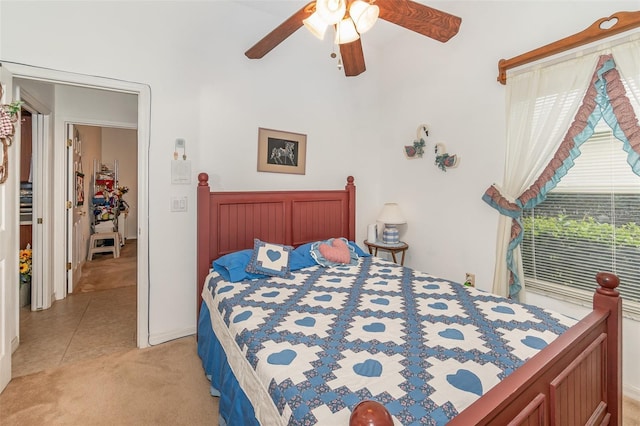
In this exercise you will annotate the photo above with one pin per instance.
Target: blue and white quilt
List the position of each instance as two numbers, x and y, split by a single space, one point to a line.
307 349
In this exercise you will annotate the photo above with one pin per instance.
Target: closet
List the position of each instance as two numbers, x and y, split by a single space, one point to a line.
26 186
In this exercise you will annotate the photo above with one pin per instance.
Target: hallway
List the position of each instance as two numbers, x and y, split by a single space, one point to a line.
99 318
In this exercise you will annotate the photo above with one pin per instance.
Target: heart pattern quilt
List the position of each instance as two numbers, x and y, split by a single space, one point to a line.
327 338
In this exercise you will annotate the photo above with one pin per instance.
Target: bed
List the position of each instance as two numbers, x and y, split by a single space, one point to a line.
263 377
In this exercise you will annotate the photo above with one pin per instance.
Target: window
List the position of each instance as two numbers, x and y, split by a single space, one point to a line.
589 222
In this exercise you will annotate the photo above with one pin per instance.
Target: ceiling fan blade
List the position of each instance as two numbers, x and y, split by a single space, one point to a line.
352 58
280 33
422 19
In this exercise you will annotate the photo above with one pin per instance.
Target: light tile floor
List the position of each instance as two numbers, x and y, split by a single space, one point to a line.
82 326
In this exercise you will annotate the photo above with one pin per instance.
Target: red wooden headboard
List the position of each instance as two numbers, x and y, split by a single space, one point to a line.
229 221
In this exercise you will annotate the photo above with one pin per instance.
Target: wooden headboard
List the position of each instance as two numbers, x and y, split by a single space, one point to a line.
229 221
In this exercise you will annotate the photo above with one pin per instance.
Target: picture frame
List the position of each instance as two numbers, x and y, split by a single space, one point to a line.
281 152
79 189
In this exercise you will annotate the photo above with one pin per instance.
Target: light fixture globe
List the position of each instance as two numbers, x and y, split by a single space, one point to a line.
316 25
346 32
364 15
331 11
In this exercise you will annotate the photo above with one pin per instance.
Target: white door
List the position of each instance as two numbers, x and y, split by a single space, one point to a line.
8 242
41 291
76 207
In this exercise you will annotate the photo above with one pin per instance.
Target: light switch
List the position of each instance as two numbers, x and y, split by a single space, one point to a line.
179 204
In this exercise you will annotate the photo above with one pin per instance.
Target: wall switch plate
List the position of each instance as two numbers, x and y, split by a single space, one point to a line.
179 204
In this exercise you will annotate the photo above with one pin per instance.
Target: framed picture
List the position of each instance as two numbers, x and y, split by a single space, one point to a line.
281 152
79 189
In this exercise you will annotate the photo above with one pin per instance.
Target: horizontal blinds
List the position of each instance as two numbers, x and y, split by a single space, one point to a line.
601 167
589 223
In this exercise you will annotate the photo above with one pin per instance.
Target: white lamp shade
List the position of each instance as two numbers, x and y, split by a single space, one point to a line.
346 32
364 15
391 215
316 25
331 11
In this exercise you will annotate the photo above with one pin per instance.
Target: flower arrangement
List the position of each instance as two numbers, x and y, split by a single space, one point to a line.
25 265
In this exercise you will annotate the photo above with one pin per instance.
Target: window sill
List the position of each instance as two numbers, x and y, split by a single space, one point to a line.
630 309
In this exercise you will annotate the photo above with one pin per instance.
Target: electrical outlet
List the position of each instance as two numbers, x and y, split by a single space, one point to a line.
470 279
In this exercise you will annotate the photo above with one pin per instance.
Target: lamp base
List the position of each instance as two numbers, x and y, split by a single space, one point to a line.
390 235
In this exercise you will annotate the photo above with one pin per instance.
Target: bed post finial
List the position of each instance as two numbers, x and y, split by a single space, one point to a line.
608 283
351 190
203 179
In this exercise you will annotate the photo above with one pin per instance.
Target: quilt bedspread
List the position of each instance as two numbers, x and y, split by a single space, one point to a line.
318 343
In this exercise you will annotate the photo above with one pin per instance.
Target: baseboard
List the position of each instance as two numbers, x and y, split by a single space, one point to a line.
631 392
158 338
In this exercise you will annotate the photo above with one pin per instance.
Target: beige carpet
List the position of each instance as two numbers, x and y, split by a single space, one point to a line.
105 271
161 385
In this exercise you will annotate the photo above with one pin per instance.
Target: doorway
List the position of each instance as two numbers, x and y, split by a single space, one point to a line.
54 170
102 178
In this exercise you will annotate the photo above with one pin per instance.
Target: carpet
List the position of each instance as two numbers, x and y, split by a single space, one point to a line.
161 385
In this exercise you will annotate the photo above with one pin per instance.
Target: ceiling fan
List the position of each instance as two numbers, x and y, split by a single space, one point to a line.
358 16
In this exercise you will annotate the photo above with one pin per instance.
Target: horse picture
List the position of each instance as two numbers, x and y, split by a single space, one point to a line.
282 152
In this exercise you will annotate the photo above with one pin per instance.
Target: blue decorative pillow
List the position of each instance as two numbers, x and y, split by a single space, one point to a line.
358 250
301 258
269 259
232 267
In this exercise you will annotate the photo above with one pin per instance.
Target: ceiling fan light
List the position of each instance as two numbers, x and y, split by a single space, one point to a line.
332 11
346 32
364 15
316 25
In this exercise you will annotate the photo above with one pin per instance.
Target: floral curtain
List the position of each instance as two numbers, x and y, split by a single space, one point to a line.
539 153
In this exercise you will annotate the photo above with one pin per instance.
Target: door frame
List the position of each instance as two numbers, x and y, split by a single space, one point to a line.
64 122
42 140
59 226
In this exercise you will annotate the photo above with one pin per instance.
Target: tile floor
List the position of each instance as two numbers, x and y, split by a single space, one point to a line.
82 326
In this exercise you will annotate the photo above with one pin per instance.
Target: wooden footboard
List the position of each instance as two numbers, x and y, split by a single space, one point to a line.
576 380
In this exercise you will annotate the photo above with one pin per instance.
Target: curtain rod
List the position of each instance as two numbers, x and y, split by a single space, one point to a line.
602 28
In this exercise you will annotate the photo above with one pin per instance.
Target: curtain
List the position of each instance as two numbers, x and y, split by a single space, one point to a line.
541 105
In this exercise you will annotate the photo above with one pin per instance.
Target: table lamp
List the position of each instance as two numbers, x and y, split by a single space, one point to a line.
391 216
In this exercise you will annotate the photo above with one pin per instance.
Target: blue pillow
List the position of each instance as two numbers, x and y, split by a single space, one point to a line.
270 259
301 258
358 250
232 266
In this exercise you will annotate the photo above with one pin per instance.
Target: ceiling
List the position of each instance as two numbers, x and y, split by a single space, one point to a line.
381 35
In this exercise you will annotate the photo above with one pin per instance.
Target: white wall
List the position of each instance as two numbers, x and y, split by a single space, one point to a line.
206 91
122 145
